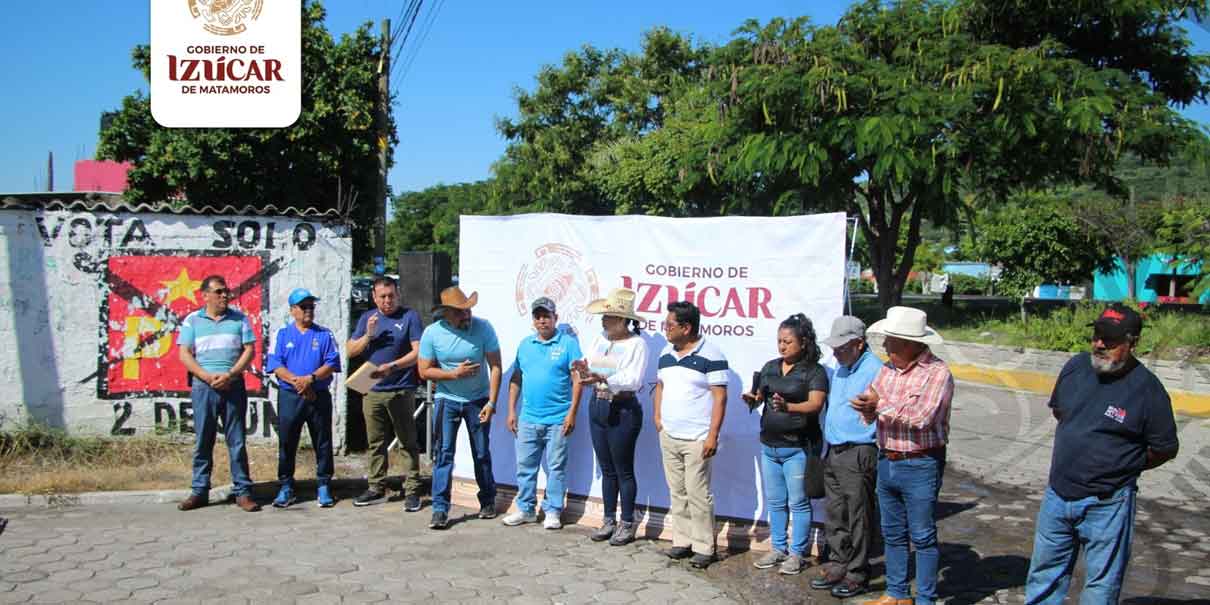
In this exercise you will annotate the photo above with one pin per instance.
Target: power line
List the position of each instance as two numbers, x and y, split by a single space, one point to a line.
425 29
404 31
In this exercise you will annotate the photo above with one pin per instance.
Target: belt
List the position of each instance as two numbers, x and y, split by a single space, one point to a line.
894 456
841 448
622 396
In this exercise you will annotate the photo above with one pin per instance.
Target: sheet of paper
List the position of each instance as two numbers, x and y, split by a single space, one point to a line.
361 381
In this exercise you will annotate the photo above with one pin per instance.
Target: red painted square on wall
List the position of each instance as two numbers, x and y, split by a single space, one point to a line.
149 296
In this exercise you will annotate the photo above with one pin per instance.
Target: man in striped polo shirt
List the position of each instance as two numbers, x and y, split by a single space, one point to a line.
216 345
690 402
910 401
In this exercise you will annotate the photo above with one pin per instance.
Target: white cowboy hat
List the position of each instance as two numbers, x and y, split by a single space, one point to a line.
619 303
908 324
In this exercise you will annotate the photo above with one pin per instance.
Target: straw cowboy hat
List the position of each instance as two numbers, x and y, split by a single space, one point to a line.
619 303
908 324
453 298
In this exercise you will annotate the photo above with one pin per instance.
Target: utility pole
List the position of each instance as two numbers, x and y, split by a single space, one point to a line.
50 171
384 137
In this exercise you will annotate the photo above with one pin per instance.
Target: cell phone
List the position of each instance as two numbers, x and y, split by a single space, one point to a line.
756 383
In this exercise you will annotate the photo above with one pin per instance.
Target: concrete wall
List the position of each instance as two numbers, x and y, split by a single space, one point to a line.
89 305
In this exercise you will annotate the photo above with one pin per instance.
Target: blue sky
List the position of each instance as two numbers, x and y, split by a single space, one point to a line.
70 60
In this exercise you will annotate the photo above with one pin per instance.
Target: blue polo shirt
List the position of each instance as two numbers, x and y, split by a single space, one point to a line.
392 339
842 423
216 344
448 346
545 367
303 353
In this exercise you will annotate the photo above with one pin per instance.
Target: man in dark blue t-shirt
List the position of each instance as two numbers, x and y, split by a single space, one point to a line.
1115 421
389 336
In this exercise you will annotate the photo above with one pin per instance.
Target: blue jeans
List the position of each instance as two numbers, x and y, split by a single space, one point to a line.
292 413
451 414
785 473
209 406
532 441
907 497
615 426
1102 527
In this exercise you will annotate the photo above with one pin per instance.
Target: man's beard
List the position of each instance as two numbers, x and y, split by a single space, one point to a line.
1103 366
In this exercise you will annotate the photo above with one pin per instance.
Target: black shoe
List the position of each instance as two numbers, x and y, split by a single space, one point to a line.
679 552
370 496
439 521
488 512
411 503
700 561
848 588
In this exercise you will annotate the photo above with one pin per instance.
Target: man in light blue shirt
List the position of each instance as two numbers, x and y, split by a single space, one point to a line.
544 379
453 352
851 463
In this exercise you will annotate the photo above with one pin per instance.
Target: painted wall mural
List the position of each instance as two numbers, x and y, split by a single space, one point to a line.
90 305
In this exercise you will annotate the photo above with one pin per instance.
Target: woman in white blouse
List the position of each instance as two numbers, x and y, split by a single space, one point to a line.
614 365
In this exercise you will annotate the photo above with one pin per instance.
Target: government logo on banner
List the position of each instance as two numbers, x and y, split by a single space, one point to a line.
559 273
148 297
226 63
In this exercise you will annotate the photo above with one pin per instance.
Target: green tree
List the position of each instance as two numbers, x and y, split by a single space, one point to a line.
327 155
1036 240
428 220
1184 231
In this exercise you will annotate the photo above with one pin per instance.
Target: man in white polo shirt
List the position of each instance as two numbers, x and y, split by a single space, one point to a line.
690 401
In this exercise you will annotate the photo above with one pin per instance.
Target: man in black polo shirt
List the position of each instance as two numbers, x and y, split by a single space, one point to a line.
1115 421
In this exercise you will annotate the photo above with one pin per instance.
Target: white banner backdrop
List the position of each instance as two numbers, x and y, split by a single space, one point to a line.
746 274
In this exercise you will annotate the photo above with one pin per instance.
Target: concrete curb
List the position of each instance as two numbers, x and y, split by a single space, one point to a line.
261 491
1183 402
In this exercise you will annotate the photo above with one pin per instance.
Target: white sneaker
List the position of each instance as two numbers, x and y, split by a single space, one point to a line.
552 522
518 517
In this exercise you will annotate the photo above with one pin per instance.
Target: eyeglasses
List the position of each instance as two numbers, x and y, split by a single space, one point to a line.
1110 342
220 291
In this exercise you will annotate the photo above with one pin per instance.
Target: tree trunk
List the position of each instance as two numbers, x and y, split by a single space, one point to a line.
880 226
1130 265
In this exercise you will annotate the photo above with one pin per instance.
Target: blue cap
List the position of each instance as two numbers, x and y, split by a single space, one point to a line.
300 294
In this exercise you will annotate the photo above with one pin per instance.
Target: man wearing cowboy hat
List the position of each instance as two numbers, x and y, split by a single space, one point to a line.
910 400
1115 421
453 352
389 336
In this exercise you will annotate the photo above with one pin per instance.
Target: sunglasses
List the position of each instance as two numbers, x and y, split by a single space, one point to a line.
220 291
307 306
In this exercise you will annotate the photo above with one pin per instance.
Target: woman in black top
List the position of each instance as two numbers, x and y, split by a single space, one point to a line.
792 388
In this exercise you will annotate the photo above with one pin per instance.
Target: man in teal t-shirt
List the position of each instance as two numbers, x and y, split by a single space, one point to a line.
453 352
544 379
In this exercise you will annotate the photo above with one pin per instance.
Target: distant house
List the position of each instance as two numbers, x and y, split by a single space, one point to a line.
1159 278
101 175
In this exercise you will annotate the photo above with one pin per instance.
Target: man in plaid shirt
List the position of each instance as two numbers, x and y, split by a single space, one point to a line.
910 401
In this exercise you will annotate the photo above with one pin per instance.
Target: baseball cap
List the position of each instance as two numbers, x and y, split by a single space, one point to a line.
844 329
1118 321
300 294
543 303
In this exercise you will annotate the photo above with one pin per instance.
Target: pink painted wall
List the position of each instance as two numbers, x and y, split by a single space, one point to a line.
100 175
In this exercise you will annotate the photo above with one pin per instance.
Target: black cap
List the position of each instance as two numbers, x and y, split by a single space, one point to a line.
1118 321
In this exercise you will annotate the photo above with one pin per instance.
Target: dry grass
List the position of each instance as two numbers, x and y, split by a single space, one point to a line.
36 460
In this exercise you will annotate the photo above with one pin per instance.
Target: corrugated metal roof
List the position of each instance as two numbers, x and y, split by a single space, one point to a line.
97 201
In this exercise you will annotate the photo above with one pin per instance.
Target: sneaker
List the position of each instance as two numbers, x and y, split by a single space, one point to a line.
411 503
625 533
285 497
793 565
370 496
487 512
439 521
605 531
519 517
700 561
678 552
771 558
552 521
324 497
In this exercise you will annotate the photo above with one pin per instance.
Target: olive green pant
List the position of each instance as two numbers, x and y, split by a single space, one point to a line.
391 415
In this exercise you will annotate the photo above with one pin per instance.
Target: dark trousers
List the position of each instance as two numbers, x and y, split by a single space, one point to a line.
293 411
615 427
850 477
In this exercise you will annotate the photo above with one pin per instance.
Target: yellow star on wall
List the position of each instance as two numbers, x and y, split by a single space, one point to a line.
181 287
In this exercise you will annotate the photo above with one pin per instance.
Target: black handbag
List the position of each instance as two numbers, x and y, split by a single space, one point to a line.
814 478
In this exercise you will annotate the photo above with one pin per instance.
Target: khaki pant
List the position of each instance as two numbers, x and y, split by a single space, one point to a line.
389 415
692 509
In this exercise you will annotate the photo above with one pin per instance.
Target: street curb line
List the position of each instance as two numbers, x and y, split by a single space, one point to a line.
1183 402
218 495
